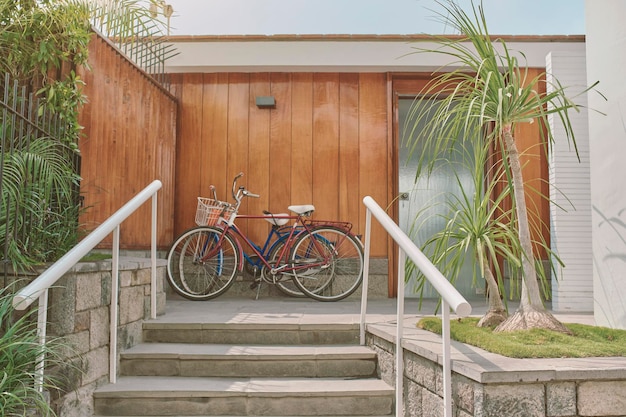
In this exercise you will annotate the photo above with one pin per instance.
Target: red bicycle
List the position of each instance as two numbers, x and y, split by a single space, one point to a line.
316 258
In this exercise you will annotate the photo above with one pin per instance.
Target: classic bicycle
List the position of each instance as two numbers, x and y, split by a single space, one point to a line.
316 258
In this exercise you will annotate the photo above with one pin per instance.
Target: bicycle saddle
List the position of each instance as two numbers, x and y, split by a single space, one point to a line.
306 209
279 220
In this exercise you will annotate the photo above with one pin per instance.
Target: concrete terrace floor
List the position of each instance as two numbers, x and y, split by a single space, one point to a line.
272 309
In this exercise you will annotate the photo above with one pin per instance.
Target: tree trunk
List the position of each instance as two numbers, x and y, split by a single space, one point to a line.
496 313
527 317
531 312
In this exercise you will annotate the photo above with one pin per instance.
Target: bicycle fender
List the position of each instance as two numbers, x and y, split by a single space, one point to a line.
239 249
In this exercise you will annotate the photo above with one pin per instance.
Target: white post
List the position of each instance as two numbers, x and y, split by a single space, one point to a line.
450 298
113 307
366 273
153 282
399 336
42 320
447 372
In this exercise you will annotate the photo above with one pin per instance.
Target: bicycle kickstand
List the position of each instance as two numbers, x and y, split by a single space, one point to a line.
258 289
256 283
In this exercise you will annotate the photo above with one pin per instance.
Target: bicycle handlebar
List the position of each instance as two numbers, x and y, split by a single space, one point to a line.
249 194
235 184
241 191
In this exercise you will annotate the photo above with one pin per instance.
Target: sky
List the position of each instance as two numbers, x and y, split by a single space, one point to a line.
371 17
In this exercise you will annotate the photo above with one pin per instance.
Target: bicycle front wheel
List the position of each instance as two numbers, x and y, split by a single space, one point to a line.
202 263
328 263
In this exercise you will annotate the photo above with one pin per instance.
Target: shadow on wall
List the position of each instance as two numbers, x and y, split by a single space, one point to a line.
609 294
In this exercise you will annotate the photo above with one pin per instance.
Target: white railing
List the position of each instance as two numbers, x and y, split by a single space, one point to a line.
451 298
38 289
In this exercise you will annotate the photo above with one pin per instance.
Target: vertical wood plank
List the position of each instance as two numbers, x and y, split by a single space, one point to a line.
349 202
326 145
302 140
238 119
188 158
280 143
259 150
373 150
212 142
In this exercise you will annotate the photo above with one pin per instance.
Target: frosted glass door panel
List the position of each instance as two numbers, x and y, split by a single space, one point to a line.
423 200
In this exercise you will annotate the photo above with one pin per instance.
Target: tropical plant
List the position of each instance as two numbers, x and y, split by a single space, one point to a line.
39 139
38 206
125 21
42 42
491 89
475 224
37 37
22 387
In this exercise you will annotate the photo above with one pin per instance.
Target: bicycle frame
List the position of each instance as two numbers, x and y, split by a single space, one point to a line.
299 226
284 266
239 236
276 235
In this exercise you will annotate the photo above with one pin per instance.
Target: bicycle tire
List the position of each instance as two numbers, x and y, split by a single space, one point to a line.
196 278
341 276
284 282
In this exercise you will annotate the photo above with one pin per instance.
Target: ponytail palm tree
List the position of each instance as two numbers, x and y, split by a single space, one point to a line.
492 90
476 230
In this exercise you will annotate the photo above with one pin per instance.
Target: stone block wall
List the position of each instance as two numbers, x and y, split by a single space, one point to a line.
79 315
489 385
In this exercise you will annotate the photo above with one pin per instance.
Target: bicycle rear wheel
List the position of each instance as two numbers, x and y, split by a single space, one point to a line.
202 263
336 260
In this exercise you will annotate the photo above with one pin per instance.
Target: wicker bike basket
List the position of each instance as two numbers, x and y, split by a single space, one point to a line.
210 210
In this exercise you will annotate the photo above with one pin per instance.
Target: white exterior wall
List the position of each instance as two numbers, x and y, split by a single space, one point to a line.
606 62
570 193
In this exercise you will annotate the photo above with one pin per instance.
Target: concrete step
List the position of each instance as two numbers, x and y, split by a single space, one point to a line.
184 359
197 396
251 333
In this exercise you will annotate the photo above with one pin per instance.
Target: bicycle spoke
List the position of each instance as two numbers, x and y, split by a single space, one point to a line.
202 264
328 264
283 282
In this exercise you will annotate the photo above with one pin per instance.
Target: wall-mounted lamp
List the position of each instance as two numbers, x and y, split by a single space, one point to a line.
266 102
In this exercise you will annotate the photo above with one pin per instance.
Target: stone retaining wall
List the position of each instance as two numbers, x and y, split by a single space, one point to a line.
79 313
489 385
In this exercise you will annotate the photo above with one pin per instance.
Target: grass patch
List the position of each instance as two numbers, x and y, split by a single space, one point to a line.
586 341
96 256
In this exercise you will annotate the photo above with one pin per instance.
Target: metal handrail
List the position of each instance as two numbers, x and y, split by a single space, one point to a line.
38 289
451 298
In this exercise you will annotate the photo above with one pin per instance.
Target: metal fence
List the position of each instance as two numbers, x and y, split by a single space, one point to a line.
23 120
146 48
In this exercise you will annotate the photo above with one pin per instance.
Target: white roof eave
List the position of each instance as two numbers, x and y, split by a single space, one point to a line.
332 56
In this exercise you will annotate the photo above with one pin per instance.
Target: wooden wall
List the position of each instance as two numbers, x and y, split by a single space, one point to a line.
129 141
330 141
326 143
